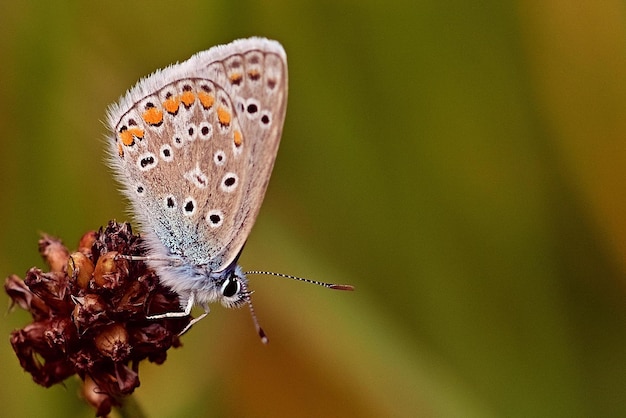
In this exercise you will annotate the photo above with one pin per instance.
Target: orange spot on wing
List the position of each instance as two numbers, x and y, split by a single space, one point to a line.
254 74
153 116
235 78
187 98
127 136
136 132
206 99
171 105
223 115
120 150
238 138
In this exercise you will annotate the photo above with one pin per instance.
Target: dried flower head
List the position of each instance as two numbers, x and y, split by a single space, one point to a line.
89 315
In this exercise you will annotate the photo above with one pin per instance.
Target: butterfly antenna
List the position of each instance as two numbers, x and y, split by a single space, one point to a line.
302 279
259 330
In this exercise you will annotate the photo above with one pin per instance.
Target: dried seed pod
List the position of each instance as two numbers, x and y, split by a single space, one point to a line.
22 296
110 268
90 310
112 341
86 242
53 252
80 269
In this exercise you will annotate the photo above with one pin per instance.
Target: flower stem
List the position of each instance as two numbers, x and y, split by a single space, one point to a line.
130 408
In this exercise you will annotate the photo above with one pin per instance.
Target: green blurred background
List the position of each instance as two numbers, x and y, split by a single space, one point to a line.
461 163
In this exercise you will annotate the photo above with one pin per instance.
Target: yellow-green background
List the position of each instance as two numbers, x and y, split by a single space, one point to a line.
461 163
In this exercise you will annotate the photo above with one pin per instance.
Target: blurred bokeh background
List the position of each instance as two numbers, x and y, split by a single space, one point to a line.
463 164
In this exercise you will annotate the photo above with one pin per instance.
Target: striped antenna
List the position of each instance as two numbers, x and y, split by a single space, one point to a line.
302 279
259 330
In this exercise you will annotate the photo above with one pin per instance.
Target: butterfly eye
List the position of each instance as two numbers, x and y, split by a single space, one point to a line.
231 287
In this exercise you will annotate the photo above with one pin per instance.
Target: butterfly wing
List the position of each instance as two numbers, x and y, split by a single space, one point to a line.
194 146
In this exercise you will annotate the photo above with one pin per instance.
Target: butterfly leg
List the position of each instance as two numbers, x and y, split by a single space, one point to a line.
205 306
178 314
173 261
185 312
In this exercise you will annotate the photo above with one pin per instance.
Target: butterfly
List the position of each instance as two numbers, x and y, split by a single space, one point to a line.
193 146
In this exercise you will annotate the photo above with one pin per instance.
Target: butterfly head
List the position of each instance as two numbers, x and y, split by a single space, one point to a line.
234 293
233 289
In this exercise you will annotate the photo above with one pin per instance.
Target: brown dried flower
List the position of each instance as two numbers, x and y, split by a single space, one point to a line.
89 315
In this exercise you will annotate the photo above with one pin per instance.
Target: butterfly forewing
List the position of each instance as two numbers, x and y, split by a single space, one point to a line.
196 155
